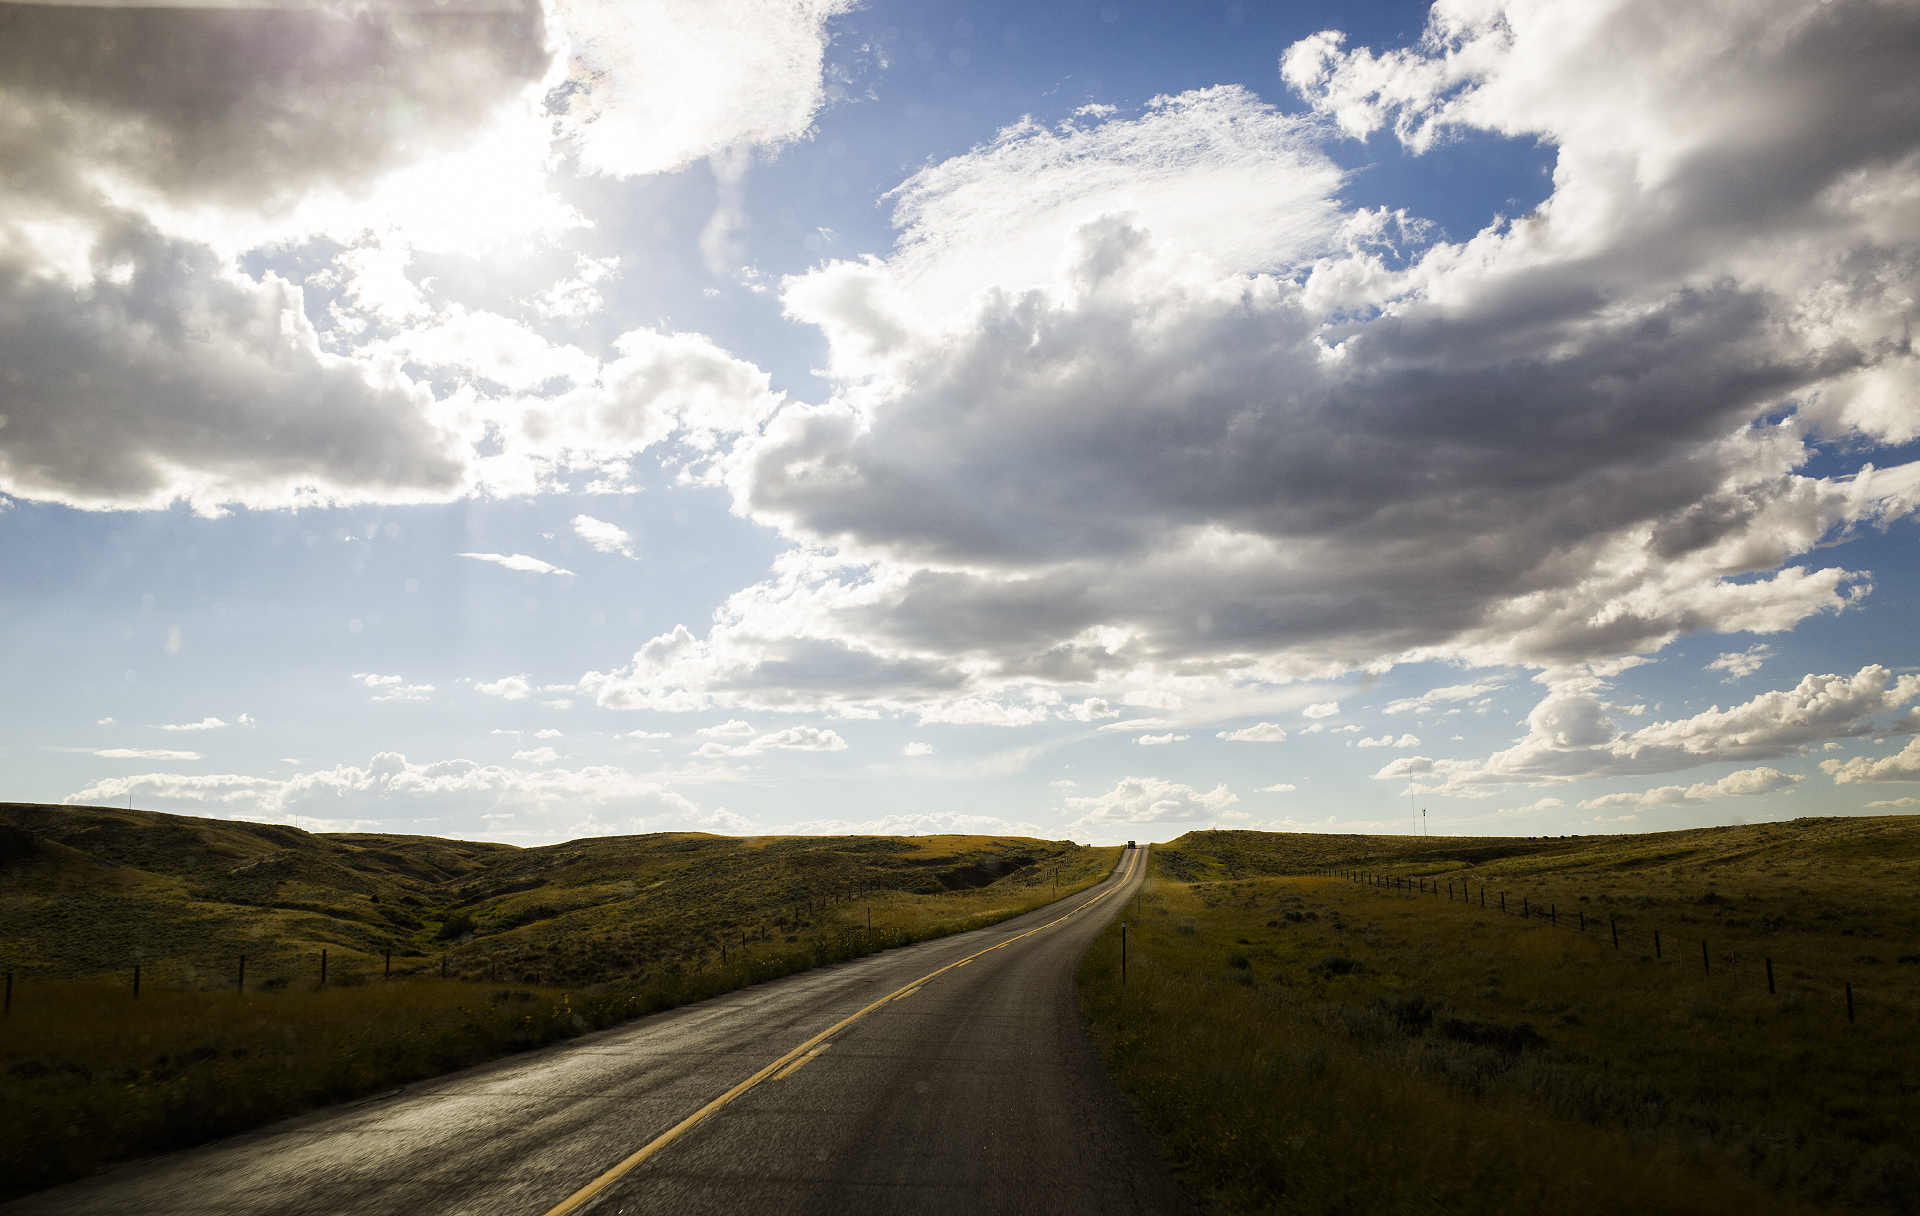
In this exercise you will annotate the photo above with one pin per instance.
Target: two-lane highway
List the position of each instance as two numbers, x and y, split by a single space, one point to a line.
948 1076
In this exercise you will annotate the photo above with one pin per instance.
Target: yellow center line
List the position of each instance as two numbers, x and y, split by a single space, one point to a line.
909 992
791 1061
800 1063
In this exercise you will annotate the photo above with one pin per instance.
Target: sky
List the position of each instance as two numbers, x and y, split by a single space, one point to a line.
525 421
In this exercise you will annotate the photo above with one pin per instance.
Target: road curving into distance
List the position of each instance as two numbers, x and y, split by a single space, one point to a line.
949 1076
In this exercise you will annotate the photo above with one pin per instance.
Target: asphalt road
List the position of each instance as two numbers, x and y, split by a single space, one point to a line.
950 1076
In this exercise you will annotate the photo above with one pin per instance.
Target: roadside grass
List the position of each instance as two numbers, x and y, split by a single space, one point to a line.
544 945
1320 1046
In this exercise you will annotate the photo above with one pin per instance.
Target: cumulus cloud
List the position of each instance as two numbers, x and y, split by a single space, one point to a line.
154 146
537 755
1282 788
1749 782
1170 447
917 749
145 753
1150 800
207 723
1896 802
1405 740
546 733
647 734
1570 735
389 688
1325 709
507 688
1091 710
1156 740
1741 663
606 537
733 728
1903 765
517 561
1262 732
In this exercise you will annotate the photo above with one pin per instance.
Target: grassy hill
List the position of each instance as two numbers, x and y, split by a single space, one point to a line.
93 890
1439 1055
571 937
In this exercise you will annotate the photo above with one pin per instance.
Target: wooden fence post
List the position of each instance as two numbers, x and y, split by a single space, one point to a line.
1769 977
1123 964
241 987
1849 1003
136 981
1615 926
1706 960
1656 943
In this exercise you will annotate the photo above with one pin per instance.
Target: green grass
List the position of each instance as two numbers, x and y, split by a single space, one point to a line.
1320 1046
540 945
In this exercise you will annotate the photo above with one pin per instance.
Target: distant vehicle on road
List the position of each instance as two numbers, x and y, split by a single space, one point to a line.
1129 844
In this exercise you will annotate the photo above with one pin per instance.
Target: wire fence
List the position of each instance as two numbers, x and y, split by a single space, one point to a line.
1746 976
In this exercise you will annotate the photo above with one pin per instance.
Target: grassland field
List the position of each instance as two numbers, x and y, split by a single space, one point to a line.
538 944
1320 1045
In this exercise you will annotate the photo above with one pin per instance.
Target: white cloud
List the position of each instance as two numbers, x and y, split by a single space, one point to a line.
917 749
1090 710
1150 800
1741 663
1479 690
1324 709
1263 732
1080 466
507 688
656 85
1749 782
975 711
391 786
517 561
1138 724
606 537
794 738
578 297
1570 736
104 722
557 703
1896 802
546 733
388 688
208 723
1156 740
644 734
537 755
145 753
1405 740
733 728
1903 765
1282 788
804 739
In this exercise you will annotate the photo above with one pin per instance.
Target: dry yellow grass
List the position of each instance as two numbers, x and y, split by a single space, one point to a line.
549 942
1322 1046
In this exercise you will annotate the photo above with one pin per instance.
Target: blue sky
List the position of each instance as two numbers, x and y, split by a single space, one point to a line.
525 423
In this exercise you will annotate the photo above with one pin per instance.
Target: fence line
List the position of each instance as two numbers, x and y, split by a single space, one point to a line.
1745 981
